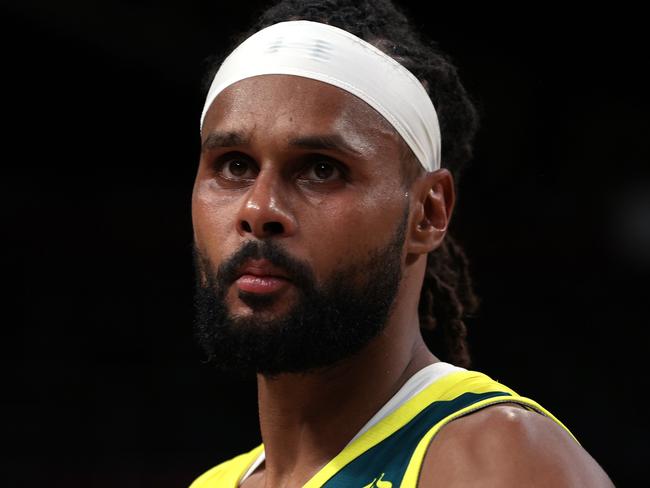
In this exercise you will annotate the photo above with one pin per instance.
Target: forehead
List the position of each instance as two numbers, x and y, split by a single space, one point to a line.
287 105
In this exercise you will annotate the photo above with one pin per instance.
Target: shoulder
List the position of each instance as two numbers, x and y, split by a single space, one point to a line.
504 446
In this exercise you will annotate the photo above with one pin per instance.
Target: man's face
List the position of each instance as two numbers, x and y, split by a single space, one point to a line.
299 218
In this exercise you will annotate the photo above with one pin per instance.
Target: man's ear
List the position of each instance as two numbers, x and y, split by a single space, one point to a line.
433 199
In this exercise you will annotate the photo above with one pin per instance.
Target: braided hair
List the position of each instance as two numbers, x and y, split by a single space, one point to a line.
447 297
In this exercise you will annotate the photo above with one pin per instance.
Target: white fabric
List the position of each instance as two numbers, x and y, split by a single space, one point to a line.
334 56
414 385
417 383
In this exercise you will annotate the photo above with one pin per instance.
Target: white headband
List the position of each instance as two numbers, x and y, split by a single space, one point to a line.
334 56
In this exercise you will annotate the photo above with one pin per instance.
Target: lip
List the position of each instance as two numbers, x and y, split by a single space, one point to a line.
261 268
260 277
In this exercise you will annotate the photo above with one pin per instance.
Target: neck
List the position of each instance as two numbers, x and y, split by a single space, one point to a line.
307 419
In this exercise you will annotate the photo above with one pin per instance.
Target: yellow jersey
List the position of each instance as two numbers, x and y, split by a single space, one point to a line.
390 453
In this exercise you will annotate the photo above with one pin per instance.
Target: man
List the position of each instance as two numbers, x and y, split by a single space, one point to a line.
320 212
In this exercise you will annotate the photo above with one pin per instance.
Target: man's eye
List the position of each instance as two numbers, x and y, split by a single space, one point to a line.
321 171
237 169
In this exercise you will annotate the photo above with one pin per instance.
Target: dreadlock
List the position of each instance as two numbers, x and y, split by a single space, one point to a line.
447 297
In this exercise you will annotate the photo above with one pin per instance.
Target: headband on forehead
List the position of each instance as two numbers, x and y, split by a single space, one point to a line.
334 56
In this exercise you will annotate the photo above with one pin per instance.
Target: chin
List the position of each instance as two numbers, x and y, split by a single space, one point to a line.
264 307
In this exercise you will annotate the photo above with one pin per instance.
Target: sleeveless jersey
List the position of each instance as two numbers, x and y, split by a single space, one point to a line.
390 453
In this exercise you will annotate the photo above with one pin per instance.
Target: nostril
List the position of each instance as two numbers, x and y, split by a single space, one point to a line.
273 228
246 226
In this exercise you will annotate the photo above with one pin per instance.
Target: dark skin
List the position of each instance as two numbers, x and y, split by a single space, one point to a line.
318 170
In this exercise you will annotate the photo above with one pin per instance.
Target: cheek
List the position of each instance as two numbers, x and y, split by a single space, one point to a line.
344 231
212 218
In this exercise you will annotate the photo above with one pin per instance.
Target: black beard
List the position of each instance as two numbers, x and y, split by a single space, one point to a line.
328 323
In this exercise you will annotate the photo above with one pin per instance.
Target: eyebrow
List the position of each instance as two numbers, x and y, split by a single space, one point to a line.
221 139
224 139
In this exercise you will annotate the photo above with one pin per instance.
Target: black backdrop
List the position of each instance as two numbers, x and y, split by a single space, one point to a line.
102 383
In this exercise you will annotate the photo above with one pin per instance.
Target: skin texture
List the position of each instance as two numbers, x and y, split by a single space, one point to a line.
505 446
289 192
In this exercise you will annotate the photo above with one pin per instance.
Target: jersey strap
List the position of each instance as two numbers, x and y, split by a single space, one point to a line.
390 454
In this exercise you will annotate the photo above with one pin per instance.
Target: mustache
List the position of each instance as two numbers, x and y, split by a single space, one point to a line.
299 272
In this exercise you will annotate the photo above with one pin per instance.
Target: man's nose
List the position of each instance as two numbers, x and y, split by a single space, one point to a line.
264 212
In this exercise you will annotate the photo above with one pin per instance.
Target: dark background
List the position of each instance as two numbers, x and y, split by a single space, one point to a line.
102 383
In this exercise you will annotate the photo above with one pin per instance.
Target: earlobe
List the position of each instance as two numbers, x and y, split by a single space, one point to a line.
433 204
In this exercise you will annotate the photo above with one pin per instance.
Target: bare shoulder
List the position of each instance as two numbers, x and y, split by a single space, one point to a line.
507 446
